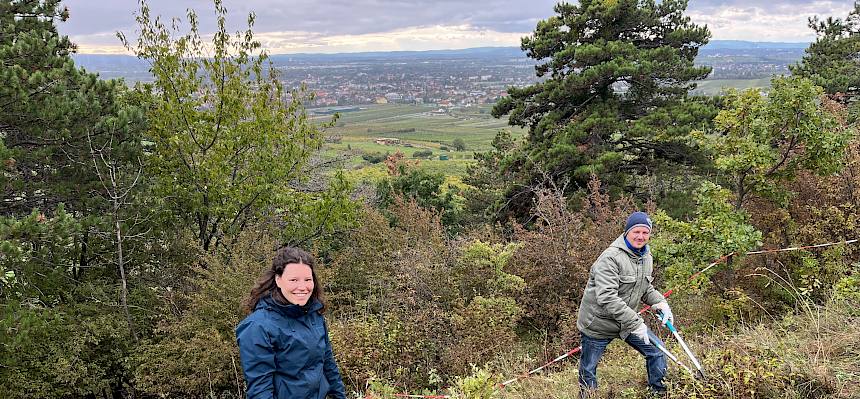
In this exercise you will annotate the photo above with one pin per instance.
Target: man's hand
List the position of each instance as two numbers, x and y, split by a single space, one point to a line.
642 333
663 307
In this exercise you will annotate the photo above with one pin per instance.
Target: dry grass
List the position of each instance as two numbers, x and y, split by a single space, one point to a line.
812 354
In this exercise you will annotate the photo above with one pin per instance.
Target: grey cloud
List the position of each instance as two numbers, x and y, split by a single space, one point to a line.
763 3
780 7
334 17
94 22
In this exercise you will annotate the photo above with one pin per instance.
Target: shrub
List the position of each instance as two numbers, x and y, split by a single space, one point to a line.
483 329
399 290
366 348
811 354
848 288
374 157
716 230
422 154
194 352
67 351
427 190
819 209
555 257
480 384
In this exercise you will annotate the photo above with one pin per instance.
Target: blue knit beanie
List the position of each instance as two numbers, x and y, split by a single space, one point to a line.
637 219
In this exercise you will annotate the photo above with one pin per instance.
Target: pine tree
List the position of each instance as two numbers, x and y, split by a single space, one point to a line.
48 109
614 96
833 60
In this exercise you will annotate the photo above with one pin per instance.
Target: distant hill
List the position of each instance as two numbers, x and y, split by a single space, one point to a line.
110 62
735 59
476 52
741 44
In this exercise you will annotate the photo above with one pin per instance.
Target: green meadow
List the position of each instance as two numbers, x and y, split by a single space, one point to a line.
424 127
415 128
718 86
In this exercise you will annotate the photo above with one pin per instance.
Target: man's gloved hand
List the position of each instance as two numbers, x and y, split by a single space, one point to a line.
663 307
642 333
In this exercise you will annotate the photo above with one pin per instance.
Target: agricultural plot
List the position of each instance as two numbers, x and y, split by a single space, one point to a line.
415 128
719 86
422 128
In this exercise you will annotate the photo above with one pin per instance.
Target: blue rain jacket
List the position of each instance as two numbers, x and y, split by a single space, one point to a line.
286 353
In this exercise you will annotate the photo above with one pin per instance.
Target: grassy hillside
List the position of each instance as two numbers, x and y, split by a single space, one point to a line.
812 354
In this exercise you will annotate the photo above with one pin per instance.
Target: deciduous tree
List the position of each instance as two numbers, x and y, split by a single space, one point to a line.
762 141
230 142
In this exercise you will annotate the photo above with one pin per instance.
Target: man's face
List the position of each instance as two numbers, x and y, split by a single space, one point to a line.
638 236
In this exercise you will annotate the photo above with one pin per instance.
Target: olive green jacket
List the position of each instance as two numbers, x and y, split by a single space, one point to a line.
618 281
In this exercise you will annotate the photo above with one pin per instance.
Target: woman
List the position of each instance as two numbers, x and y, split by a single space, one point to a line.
284 344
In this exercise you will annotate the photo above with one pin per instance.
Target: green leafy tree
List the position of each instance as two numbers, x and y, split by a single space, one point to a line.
38 252
195 353
422 154
683 247
426 189
59 293
614 96
52 115
231 143
458 144
761 142
486 200
832 61
71 352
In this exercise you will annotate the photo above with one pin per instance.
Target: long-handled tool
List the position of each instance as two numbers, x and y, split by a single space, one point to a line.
671 356
699 371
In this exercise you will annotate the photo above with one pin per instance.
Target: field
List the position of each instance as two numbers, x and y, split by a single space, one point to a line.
412 128
718 86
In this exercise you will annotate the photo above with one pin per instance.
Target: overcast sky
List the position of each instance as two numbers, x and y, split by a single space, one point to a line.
329 26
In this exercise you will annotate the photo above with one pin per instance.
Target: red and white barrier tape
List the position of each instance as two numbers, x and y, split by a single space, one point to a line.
829 244
406 395
644 309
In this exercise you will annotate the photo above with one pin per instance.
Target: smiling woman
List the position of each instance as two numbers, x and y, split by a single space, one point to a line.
284 343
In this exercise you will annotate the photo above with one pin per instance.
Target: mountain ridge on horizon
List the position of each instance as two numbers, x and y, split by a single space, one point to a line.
712 45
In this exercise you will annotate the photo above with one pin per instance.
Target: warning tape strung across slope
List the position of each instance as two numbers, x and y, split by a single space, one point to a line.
799 248
644 309
406 395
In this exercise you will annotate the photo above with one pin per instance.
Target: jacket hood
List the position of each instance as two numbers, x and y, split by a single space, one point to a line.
620 244
290 309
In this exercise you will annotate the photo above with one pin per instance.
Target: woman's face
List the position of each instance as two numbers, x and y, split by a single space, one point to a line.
296 283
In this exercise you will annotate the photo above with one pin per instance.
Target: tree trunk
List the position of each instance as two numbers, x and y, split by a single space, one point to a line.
121 265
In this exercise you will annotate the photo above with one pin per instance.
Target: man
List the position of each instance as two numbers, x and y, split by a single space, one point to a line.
618 281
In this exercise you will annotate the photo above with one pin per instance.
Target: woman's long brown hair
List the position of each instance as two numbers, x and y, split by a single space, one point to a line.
266 283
